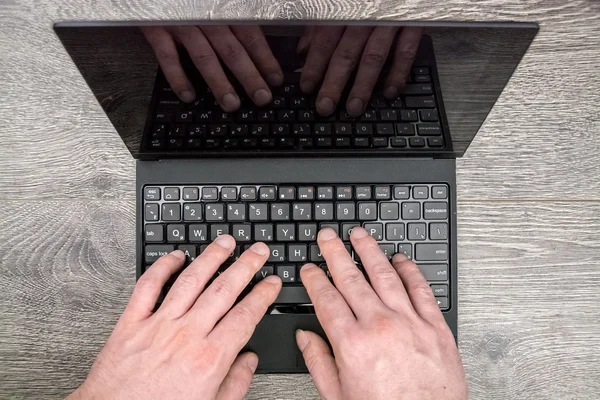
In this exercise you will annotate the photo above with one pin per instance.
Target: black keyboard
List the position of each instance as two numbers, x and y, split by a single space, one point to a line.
291 122
412 219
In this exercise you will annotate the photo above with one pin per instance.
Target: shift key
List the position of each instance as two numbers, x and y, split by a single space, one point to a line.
435 272
431 252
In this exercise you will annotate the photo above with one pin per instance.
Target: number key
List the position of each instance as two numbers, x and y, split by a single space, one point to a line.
280 212
345 211
367 211
302 211
171 212
324 212
236 212
215 212
192 212
258 211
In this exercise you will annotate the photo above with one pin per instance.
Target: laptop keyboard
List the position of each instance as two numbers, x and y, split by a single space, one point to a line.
291 122
412 219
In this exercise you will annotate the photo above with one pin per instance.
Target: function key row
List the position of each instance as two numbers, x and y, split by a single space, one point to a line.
271 193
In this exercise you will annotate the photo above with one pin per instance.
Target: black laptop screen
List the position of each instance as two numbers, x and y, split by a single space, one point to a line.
202 89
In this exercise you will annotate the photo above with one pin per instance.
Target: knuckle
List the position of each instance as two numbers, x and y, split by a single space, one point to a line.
244 313
407 53
146 283
222 287
351 277
374 57
248 38
347 57
167 56
233 51
188 281
421 290
383 270
326 295
324 44
383 324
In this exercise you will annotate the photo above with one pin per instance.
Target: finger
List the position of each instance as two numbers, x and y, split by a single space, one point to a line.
148 287
371 63
348 279
238 379
220 295
384 279
253 40
209 66
419 292
191 282
237 60
343 62
323 44
164 47
236 328
304 42
404 56
320 364
334 314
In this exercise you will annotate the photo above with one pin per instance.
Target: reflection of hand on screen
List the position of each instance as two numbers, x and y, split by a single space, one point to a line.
243 49
334 52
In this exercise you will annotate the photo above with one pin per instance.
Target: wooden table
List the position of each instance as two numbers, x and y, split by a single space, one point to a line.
528 190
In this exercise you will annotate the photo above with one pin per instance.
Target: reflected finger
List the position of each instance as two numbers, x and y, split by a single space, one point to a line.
323 44
253 40
304 42
404 56
344 60
371 63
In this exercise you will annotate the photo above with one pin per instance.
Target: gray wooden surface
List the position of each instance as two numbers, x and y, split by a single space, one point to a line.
529 201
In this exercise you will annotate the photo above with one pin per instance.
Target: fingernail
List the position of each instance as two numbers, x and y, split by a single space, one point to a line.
272 279
229 101
355 107
275 79
225 241
261 97
390 92
307 86
399 257
252 362
178 254
359 233
260 249
301 339
187 96
325 106
327 234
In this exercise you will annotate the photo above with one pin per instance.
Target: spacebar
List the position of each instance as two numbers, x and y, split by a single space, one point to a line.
292 295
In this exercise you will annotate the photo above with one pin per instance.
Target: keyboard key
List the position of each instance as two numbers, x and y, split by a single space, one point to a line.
285 142
229 193
297 253
287 273
331 225
306 193
347 230
420 102
190 193
305 142
324 212
237 130
401 192
394 231
217 130
380 142
267 142
389 211
151 212
403 129
262 273
248 194
276 253
344 193
442 303
420 192
421 70
190 251
435 272
384 129
406 249
369 116
364 129
345 211
306 116
151 193
265 115
411 211
397 142
154 233
315 254
192 212
280 212
298 102
429 128
210 194
388 115
440 290
361 142
217 230
287 193
258 212
382 192
325 193
422 78
176 233
416 142
342 129
301 129
367 211
242 232
429 115
197 233
307 232
322 129
215 212
375 230
280 130
438 231
263 232
266 193
409 116
153 252
431 252
387 249
171 194
278 102
362 193
417 231
435 142
302 211
171 212
245 116
323 141
236 212
342 142
259 130
417 89
196 131
286 115
439 192
437 210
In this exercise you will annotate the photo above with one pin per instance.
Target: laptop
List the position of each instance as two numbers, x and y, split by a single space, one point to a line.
272 130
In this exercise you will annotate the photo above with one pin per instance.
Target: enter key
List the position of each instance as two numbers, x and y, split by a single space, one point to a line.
431 252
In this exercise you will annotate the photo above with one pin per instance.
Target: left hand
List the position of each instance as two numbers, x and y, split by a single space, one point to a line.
188 348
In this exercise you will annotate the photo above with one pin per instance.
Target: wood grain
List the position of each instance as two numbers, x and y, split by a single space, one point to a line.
528 187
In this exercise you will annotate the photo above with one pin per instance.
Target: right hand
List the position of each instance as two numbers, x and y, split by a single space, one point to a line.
389 338
243 49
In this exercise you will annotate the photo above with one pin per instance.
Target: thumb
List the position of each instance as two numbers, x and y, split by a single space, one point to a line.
238 379
320 363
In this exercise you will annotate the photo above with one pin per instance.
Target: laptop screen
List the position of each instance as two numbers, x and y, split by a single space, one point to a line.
372 88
